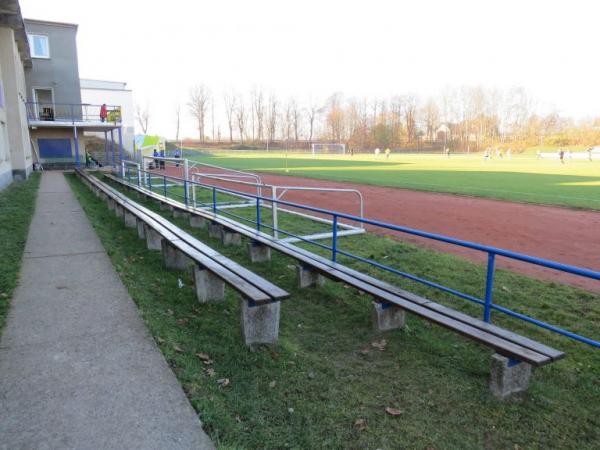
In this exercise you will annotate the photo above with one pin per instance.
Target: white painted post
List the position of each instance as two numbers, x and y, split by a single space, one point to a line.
122 169
187 179
139 175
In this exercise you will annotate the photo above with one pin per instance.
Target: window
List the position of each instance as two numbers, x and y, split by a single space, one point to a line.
38 45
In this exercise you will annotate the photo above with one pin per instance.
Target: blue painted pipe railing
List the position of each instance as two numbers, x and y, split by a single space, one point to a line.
487 302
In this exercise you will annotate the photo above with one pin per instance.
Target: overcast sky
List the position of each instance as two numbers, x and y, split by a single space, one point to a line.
314 48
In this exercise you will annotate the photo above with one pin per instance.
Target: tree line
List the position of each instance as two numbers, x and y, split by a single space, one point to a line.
465 118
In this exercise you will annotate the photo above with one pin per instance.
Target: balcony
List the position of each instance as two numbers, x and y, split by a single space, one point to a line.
69 114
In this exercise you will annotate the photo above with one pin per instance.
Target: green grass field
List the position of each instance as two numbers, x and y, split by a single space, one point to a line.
326 386
522 178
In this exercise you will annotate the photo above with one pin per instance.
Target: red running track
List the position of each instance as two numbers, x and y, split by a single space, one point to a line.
564 235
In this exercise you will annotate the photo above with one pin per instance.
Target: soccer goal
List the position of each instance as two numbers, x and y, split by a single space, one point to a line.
328 149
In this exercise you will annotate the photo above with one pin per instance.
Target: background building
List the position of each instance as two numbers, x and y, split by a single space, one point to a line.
112 93
58 118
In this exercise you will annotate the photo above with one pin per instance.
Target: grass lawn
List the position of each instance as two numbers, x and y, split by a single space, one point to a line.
522 178
17 203
326 386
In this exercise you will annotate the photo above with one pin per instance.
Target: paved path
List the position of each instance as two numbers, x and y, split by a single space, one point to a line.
78 369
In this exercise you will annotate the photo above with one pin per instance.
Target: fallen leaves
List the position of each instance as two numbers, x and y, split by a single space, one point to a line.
223 382
272 384
177 348
393 411
210 372
360 424
379 344
204 357
160 340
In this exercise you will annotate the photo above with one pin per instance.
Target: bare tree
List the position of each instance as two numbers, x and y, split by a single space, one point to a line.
229 99
212 117
258 112
198 104
296 116
142 116
240 116
410 120
312 110
177 121
272 112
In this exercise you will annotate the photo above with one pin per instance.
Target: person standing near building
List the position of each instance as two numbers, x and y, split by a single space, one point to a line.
103 113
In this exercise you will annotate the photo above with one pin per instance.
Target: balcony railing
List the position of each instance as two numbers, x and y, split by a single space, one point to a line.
72 112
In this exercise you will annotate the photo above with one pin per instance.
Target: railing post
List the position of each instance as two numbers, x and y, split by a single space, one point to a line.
149 181
139 175
186 178
257 214
122 169
214 199
489 287
274 211
334 239
129 175
165 185
185 192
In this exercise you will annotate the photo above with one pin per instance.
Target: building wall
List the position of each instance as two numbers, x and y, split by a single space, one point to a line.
15 148
61 71
14 98
59 133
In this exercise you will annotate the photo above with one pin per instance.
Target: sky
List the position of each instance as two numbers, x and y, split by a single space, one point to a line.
310 49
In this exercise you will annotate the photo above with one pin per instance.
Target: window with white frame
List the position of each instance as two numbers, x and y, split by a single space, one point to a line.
38 45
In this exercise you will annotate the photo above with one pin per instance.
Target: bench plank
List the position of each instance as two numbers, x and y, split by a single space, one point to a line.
220 268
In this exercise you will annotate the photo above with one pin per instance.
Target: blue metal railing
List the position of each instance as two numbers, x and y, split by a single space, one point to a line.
492 252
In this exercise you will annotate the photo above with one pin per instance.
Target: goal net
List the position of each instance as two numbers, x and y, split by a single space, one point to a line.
328 148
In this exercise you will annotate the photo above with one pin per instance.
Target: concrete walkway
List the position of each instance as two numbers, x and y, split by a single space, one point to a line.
78 369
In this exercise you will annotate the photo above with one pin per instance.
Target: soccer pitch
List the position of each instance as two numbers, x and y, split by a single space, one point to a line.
576 183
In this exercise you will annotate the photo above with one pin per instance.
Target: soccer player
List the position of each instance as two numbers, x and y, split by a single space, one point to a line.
387 153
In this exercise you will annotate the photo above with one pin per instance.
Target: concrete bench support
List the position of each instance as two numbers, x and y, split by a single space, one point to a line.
179 214
259 252
153 238
214 230
173 258
308 277
230 237
197 221
508 376
119 210
130 220
165 207
209 288
141 229
110 203
260 323
387 316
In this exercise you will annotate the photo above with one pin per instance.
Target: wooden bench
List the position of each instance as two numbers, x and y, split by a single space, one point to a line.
515 356
260 297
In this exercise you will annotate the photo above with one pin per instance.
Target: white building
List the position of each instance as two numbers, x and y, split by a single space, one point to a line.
98 92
